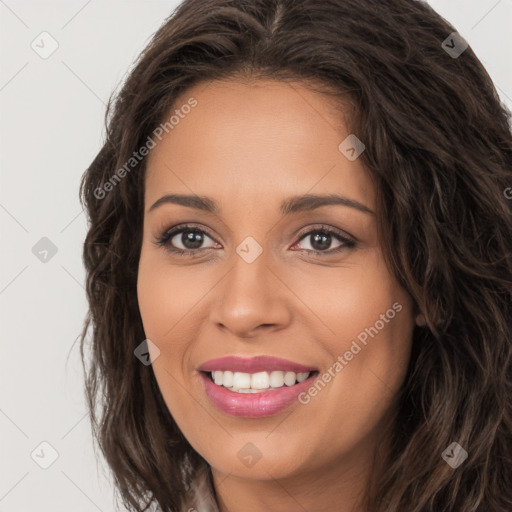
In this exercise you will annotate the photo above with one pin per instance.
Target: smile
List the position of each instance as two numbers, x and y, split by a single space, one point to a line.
241 382
254 403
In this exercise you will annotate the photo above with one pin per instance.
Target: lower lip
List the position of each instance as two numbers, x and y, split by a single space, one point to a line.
254 405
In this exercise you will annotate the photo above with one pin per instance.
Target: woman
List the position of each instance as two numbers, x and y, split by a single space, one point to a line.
299 265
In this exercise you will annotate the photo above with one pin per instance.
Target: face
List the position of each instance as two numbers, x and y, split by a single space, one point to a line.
262 275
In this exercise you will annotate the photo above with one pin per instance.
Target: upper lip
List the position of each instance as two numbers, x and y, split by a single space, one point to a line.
253 364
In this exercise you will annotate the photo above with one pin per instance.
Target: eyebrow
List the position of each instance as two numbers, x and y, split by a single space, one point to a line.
291 205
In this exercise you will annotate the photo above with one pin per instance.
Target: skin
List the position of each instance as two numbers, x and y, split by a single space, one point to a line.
249 146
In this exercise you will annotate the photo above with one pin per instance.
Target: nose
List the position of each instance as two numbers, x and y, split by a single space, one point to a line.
252 298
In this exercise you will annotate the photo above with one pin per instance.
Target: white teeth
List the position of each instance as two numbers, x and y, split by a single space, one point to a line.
242 382
302 376
290 378
260 380
277 379
227 379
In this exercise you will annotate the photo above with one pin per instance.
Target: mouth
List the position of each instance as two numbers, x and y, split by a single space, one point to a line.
253 395
259 382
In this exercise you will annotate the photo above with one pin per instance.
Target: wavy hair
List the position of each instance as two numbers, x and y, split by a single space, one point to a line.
439 151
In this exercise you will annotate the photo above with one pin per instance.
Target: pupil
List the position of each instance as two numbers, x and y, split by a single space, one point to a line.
192 239
321 241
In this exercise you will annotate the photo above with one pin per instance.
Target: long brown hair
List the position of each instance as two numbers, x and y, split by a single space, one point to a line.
439 150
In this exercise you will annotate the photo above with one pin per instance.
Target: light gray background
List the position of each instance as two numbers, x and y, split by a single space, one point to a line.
52 127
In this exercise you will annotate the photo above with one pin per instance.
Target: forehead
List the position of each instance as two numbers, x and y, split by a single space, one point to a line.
260 142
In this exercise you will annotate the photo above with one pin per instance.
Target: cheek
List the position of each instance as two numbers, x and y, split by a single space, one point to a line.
169 298
163 304
343 301
364 322
369 359
155 301
166 294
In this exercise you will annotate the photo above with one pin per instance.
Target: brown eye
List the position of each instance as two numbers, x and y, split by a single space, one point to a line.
184 240
321 240
188 238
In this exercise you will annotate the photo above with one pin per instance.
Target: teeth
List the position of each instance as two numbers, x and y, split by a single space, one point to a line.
302 376
256 382
240 380
227 379
277 379
260 380
289 378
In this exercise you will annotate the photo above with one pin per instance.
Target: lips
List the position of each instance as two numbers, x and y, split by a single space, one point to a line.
262 403
257 405
254 365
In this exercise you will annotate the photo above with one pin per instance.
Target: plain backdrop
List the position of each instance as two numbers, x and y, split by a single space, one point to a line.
51 128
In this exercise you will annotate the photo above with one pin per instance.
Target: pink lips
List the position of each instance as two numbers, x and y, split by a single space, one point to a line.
253 365
253 405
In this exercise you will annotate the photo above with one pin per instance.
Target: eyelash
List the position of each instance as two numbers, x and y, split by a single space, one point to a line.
164 239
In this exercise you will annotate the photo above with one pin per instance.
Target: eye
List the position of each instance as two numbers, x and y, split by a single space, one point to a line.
184 240
188 240
320 240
